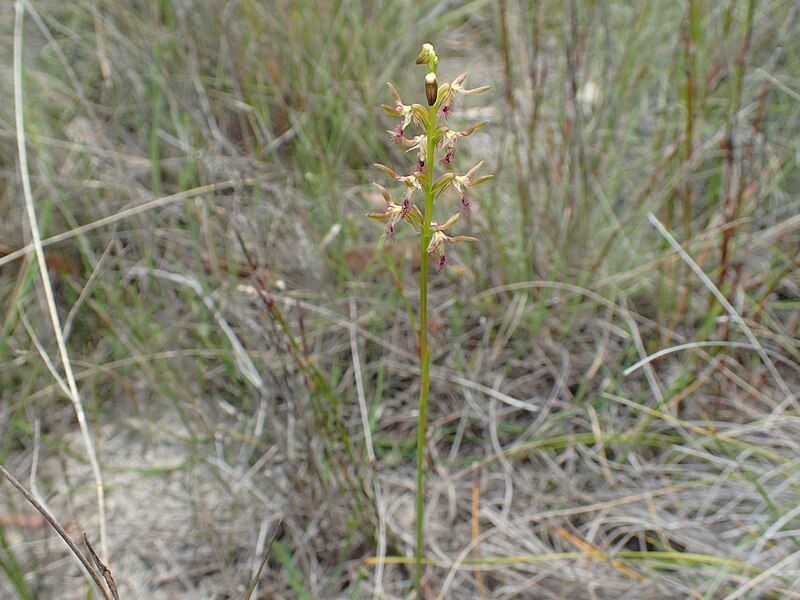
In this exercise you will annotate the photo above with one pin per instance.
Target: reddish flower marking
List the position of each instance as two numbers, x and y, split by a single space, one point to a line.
442 264
465 207
397 134
447 159
446 110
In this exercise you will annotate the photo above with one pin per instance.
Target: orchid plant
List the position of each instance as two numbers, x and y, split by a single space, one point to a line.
435 139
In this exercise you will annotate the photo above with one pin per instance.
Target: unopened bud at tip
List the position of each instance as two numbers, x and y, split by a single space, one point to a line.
431 88
426 54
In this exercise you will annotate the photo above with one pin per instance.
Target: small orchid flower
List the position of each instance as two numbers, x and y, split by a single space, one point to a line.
410 181
406 112
449 138
439 237
396 134
419 143
396 212
457 86
399 110
464 181
449 94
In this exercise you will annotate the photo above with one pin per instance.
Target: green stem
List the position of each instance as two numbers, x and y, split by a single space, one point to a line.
424 350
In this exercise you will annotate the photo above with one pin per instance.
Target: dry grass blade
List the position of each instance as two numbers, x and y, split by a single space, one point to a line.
48 290
597 553
90 569
252 587
12 255
244 364
476 530
761 578
694 345
735 316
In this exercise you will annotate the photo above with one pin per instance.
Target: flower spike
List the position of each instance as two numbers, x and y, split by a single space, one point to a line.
434 143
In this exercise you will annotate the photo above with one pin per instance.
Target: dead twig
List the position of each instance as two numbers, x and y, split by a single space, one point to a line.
252 587
62 532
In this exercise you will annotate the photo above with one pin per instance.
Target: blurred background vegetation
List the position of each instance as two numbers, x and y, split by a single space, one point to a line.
201 171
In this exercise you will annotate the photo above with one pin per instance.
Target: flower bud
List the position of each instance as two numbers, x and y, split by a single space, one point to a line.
431 88
426 55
